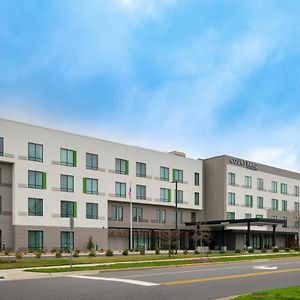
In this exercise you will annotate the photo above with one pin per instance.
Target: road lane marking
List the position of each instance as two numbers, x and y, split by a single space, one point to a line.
265 268
130 281
238 276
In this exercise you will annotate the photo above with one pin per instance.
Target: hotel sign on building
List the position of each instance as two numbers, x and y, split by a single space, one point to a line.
243 163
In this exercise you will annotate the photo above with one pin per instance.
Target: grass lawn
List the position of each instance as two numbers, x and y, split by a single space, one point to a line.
282 294
157 263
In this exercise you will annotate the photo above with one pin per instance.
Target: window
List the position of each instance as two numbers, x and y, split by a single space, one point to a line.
1 146
91 161
35 240
179 217
67 183
140 169
179 196
141 192
248 201
165 195
117 213
247 215
164 173
230 215
231 178
92 210
66 240
231 198
197 198
161 215
259 216
68 157
283 188
137 214
296 207
193 216
284 205
260 184
274 204
35 152
68 209
35 207
274 187
90 186
260 202
36 180
248 182
177 175
285 219
120 189
197 179
296 223
122 166
296 190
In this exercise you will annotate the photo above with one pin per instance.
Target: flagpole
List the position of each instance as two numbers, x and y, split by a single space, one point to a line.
131 248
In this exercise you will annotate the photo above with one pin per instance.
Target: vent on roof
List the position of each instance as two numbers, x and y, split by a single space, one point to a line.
181 154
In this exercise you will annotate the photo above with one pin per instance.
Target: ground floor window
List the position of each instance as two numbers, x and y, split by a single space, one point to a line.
35 240
66 240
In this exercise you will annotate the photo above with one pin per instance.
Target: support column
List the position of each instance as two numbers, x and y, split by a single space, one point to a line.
260 241
223 237
248 236
274 236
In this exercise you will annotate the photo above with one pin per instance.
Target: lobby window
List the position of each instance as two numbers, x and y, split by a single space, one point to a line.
36 180
1 146
193 216
91 161
35 240
164 173
284 205
296 207
140 169
248 201
35 207
197 179
177 175
296 223
260 202
259 216
165 195
67 183
283 188
296 190
92 210
231 178
137 214
285 219
274 187
122 166
120 189
197 198
274 204
68 209
248 182
260 184
179 196
117 213
231 199
66 242
68 157
230 215
35 152
247 215
90 186
140 192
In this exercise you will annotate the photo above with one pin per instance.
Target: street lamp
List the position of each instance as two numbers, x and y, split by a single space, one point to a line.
176 207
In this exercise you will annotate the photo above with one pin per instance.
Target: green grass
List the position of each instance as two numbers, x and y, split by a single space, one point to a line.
282 294
157 264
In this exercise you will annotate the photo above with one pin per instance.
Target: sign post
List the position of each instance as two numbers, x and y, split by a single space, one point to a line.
71 240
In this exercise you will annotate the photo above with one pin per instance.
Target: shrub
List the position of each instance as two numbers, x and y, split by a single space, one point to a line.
222 252
54 250
171 252
90 244
185 251
196 252
125 252
275 250
75 254
296 249
208 252
77 251
237 251
7 251
264 250
142 251
58 254
250 250
287 249
92 253
157 251
109 252
38 254
19 255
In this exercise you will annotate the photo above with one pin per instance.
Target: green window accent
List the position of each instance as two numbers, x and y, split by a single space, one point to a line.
169 195
84 185
44 181
75 209
74 158
126 167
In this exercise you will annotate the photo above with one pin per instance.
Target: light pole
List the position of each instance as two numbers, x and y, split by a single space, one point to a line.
176 207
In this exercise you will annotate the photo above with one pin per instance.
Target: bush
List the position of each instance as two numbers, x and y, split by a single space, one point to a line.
185 251
77 251
264 250
222 252
142 251
109 252
38 254
19 255
157 251
171 252
92 253
196 252
208 252
75 254
296 249
90 244
250 250
6 251
58 254
125 252
287 249
54 250
275 250
237 251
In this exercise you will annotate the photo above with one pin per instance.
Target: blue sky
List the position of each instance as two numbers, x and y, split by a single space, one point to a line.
203 77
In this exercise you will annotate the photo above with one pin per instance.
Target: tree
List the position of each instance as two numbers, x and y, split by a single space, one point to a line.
90 244
202 234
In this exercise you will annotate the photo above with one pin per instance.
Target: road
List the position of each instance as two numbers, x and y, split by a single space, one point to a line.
205 282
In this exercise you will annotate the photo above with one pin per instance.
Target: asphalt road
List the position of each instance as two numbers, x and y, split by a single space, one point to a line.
210 281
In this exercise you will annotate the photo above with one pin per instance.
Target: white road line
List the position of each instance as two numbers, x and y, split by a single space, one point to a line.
130 281
265 268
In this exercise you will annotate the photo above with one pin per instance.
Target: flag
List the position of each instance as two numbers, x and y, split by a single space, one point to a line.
129 193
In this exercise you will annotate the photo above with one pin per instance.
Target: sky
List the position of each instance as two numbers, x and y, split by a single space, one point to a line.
200 76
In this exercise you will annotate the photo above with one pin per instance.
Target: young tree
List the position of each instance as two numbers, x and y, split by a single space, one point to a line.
202 234
90 244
